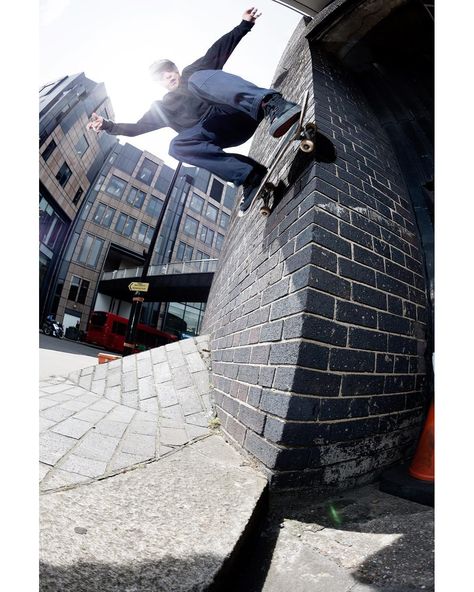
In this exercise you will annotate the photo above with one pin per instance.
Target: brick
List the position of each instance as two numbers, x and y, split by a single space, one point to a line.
402 345
266 452
248 374
398 272
343 407
345 360
260 354
353 385
352 430
84 466
356 314
310 382
332 242
322 280
315 328
236 430
354 271
291 433
253 419
320 304
386 404
266 376
365 339
394 324
355 235
369 258
241 355
402 364
399 384
395 305
369 296
289 406
275 291
288 305
271 331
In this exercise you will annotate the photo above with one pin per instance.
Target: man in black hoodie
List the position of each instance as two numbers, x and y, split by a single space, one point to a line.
211 110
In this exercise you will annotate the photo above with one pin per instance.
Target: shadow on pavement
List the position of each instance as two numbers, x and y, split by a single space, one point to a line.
339 534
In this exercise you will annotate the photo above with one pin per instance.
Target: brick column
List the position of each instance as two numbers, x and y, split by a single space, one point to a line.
317 314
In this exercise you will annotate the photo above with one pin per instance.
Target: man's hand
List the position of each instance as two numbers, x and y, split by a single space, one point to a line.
251 14
95 123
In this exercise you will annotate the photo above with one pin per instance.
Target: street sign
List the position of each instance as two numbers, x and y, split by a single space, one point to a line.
138 286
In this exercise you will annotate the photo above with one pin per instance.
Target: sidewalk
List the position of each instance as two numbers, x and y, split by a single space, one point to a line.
140 493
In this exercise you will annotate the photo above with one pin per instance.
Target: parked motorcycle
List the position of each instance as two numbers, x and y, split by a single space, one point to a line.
53 327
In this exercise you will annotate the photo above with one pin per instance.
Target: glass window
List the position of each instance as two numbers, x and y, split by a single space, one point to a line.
219 241
63 174
116 186
191 226
145 233
154 206
77 197
49 150
98 185
203 266
185 252
83 291
78 289
211 212
147 171
164 179
136 197
196 203
82 146
207 235
74 288
103 215
50 225
224 221
90 250
217 188
125 224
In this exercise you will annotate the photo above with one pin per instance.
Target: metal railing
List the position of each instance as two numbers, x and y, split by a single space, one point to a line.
172 268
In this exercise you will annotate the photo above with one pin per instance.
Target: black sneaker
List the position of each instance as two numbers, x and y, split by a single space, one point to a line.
250 186
282 114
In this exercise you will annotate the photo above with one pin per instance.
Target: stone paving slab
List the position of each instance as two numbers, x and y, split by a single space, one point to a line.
162 527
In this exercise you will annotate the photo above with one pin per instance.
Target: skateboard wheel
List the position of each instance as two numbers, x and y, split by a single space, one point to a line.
265 211
310 127
307 146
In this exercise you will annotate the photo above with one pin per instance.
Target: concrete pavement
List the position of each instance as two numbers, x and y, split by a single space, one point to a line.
139 492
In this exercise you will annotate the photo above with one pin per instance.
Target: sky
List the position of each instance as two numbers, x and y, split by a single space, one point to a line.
114 41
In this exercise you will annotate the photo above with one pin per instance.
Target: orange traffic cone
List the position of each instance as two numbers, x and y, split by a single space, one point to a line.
422 465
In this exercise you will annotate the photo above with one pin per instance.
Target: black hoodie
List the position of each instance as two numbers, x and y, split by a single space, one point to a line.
180 109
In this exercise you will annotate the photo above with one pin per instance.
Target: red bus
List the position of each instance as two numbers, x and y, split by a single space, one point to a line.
108 330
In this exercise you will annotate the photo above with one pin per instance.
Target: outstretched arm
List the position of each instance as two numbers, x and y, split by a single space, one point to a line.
152 120
218 54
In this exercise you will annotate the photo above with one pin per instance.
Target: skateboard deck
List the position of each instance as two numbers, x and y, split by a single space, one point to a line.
300 131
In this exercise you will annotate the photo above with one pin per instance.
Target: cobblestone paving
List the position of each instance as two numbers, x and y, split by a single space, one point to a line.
106 418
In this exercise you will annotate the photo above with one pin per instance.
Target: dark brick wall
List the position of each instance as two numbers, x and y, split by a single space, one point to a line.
317 313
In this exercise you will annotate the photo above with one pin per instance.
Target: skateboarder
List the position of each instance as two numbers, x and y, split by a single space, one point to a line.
211 110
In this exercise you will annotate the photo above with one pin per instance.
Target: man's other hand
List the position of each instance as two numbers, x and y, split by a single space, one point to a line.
95 122
251 14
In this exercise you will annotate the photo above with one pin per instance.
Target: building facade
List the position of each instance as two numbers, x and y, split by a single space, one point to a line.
99 204
320 315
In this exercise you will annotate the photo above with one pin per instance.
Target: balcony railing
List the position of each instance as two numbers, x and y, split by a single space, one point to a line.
173 268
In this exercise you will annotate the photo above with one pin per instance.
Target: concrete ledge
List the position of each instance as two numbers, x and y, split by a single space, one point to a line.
169 526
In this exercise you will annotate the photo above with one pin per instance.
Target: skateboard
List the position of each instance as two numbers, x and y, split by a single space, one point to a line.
303 133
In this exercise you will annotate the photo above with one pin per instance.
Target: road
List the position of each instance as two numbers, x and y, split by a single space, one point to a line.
61 356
